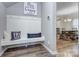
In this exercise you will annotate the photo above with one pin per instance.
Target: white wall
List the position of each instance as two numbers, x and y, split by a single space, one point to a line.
18 9
66 25
23 24
58 24
2 21
49 26
78 23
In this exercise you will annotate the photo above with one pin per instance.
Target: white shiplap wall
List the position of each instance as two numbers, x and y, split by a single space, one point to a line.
23 24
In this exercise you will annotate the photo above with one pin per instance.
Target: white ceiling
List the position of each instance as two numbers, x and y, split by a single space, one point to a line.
67 9
8 4
62 5
62 8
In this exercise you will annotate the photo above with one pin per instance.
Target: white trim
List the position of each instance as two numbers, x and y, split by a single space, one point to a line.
52 52
3 51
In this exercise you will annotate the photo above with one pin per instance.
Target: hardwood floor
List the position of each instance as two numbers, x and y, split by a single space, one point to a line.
69 51
40 51
30 51
63 43
67 48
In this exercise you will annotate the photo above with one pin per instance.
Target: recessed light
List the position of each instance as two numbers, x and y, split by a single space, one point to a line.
65 20
69 20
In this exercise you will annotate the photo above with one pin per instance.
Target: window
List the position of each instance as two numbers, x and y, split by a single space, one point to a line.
75 23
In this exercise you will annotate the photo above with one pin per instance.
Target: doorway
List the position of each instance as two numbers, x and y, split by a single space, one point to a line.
67 24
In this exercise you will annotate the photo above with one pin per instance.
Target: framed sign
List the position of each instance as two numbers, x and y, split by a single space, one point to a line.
30 8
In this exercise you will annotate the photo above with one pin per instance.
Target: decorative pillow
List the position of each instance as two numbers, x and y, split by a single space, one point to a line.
33 35
7 36
15 35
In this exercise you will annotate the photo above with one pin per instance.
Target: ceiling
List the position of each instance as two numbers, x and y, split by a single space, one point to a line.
8 4
67 9
62 8
62 5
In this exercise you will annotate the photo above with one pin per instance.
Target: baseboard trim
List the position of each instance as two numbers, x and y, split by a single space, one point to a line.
50 51
3 51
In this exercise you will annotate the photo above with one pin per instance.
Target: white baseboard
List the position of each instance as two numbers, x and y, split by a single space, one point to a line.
52 52
3 51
